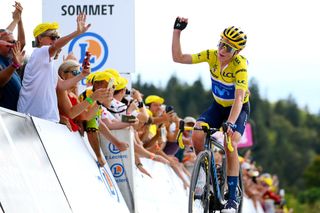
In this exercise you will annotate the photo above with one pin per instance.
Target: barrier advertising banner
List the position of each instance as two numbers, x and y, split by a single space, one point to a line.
121 164
110 39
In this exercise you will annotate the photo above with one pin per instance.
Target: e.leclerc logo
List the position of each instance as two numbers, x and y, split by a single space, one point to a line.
117 170
113 149
93 43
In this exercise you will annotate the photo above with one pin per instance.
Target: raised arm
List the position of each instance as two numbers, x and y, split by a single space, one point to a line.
177 55
21 35
82 27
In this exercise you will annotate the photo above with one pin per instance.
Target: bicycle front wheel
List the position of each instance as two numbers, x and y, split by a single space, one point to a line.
200 184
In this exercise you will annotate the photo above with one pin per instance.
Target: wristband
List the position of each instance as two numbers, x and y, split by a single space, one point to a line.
90 100
140 104
139 164
15 65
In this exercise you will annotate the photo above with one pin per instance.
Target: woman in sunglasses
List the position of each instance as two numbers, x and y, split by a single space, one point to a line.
72 111
229 82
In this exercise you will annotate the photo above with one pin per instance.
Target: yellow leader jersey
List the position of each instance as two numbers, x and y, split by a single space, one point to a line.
225 82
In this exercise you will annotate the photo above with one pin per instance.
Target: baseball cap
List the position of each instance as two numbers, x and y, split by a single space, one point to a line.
154 99
189 119
41 28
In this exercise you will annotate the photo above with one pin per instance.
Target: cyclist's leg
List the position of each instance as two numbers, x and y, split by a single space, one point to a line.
232 157
214 118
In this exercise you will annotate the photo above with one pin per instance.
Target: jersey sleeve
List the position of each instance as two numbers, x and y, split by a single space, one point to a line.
241 75
203 56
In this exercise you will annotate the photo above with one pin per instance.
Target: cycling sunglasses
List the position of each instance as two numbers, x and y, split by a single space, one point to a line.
74 72
229 48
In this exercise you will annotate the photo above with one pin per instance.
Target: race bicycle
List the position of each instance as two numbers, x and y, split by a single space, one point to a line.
208 188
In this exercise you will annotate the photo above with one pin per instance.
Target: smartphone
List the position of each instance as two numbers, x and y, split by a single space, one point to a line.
110 84
86 60
128 118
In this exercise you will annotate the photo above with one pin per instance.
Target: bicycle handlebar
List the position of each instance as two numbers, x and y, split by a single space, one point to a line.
205 128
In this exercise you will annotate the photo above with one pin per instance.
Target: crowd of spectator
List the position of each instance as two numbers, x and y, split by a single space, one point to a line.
41 90
262 187
36 87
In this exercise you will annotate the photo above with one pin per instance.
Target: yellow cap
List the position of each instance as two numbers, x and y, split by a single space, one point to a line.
113 72
122 83
41 28
154 99
89 79
267 180
102 76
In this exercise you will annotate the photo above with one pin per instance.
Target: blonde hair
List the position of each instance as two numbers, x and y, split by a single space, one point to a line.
67 65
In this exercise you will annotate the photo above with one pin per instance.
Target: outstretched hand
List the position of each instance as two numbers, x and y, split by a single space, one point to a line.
81 23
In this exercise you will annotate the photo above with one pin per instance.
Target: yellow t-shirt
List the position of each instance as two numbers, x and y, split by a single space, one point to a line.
225 82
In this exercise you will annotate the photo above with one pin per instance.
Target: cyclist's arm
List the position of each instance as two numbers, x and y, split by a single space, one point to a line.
237 105
177 54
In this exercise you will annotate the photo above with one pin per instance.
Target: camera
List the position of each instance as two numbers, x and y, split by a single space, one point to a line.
127 100
128 118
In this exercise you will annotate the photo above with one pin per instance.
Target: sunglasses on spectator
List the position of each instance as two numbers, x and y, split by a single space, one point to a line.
52 37
228 48
74 72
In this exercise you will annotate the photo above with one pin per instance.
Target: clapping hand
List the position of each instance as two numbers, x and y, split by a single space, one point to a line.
16 14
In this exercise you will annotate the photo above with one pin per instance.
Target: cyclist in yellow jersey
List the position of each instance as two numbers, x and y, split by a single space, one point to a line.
228 71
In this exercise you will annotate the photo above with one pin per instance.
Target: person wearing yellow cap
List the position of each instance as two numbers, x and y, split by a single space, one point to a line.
154 102
11 59
40 81
100 80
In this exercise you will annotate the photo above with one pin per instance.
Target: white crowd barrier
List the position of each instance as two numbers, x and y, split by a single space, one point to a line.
46 168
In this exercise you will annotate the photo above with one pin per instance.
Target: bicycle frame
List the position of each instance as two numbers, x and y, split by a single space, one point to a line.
210 143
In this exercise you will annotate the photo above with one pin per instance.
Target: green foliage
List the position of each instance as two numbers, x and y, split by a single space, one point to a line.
312 173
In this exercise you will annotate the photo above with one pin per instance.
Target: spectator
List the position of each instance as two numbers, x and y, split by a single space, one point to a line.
38 93
95 125
11 58
187 155
69 105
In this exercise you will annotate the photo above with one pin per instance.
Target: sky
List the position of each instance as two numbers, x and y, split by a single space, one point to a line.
282 47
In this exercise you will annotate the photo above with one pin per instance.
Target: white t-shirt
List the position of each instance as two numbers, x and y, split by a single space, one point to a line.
38 95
